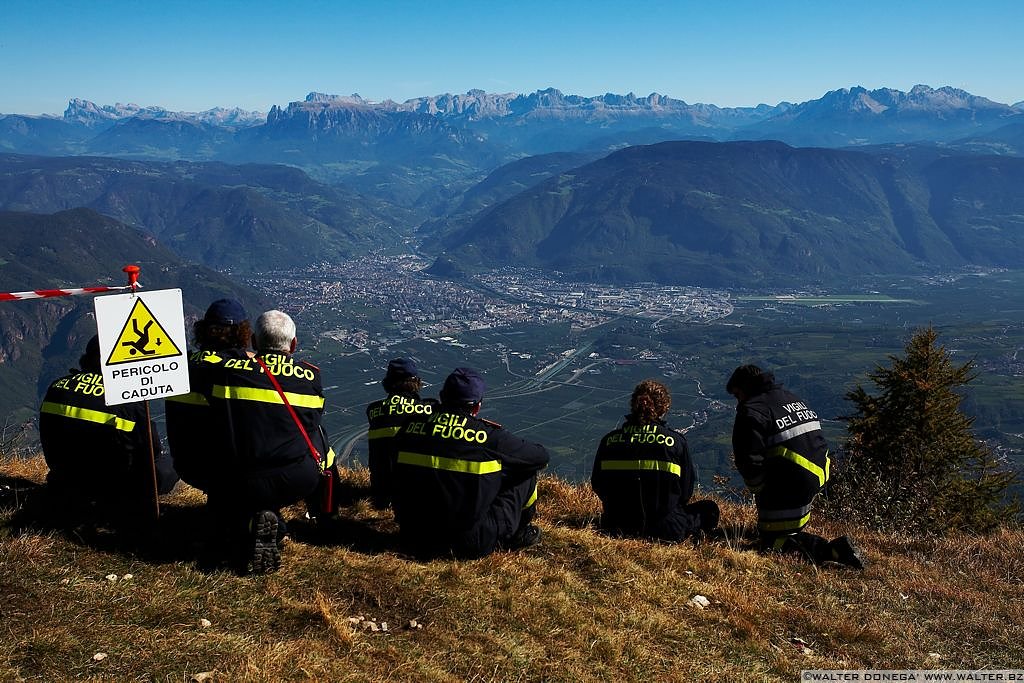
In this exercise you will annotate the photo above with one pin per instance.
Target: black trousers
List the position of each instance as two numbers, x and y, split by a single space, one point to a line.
109 495
246 492
684 522
514 507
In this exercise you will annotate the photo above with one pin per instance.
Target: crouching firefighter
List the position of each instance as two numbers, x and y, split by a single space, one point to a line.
278 452
783 458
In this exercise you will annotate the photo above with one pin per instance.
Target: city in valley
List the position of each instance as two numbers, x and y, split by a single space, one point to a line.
416 306
561 358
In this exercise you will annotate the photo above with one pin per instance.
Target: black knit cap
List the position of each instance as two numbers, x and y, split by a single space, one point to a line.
464 385
225 312
401 368
90 360
749 379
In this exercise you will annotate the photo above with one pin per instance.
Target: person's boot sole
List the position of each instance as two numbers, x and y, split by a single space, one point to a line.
266 556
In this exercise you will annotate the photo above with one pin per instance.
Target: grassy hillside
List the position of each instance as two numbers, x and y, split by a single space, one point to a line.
249 217
579 607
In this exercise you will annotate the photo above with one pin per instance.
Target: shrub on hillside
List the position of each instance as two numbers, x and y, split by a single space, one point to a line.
912 461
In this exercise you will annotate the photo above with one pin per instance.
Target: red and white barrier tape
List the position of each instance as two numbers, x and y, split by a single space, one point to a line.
47 293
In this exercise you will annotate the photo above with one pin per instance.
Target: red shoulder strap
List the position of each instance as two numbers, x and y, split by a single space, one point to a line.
291 411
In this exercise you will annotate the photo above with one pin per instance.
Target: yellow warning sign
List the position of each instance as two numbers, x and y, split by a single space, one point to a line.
142 338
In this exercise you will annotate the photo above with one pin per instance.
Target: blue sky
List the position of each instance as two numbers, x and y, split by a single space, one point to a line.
193 56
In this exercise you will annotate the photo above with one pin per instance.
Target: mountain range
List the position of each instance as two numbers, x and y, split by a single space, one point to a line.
394 150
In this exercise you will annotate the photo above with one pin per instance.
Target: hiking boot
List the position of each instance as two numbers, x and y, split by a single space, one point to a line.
282 531
846 553
524 537
266 556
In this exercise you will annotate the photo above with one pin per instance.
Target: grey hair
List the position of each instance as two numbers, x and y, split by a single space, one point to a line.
274 332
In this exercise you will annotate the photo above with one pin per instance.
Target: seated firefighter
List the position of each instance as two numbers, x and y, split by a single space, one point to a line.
268 408
99 455
644 476
783 459
224 327
463 485
385 418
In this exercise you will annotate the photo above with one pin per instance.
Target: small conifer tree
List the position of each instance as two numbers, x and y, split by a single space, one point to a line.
913 462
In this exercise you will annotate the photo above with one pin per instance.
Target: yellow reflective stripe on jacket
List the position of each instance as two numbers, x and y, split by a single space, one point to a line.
327 460
437 462
785 525
192 398
97 416
660 465
383 432
793 456
267 396
533 498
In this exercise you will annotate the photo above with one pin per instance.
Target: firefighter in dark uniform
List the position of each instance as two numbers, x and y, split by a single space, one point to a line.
783 458
463 485
98 455
385 418
644 476
269 459
225 326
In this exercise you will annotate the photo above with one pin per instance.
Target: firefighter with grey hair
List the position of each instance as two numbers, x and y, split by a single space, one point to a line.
271 406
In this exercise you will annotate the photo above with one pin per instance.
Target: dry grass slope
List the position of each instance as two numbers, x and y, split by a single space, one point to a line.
579 607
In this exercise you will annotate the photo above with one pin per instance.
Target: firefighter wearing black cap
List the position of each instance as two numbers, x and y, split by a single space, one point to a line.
270 461
98 455
224 327
783 459
644 476
464 486
385 418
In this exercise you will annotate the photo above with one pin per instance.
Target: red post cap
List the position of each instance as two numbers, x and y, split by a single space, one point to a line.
133 275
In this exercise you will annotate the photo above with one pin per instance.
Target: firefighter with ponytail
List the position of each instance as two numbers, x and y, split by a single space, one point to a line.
644 476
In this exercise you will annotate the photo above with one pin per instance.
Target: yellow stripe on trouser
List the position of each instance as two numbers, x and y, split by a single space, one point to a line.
97 416
533 498
796 519
646 465
328 460
191 398
267 396
784 524
382 433
437 462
